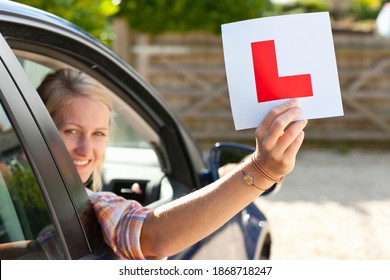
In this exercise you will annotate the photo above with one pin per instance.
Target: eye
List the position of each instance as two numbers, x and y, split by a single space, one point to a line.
100 134
70 131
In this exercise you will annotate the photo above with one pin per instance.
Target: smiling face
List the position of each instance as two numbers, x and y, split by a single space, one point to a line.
84 128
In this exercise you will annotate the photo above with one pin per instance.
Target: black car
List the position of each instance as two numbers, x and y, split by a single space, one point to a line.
40 190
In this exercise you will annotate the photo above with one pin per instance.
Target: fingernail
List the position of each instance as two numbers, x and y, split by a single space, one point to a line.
298 110
294 101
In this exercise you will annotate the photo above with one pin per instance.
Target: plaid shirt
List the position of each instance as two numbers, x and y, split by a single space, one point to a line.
121 221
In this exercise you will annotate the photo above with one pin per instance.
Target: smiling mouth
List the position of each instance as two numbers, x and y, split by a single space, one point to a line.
80 162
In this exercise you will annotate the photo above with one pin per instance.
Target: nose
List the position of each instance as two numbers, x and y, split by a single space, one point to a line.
84 145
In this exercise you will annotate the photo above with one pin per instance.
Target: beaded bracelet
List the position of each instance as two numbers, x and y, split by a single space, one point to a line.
265 173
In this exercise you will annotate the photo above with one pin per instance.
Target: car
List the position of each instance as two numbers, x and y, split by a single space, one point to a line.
40 190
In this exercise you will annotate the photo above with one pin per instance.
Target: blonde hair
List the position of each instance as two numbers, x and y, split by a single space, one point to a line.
58 90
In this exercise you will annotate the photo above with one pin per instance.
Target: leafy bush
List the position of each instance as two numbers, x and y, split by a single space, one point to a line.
91 15
159 16
365 9
303 6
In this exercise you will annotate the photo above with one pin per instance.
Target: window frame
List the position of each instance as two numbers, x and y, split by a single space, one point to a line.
18 97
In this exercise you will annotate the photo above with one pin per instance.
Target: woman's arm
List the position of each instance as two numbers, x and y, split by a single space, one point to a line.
177 225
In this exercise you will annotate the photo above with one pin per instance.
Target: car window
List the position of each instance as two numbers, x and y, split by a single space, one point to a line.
131 168
26 230
123 134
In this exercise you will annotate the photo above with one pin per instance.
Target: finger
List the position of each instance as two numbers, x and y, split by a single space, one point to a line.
277 111
280 124
293 149
287 148
272 115
290 135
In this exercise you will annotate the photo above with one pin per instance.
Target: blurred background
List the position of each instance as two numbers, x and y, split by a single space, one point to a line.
336 203
176 46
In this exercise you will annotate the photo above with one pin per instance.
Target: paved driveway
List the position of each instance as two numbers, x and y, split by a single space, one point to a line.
332 206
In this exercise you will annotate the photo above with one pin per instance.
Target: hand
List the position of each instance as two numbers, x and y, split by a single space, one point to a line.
278 139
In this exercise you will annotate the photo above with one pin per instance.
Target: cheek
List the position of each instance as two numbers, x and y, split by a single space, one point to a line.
70 145
100 149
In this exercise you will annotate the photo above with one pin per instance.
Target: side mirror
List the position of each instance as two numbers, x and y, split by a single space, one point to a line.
225 156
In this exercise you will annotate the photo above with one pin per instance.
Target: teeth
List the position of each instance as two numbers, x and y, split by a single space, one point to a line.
80 162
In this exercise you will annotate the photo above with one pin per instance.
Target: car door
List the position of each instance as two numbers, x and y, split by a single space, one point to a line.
41 205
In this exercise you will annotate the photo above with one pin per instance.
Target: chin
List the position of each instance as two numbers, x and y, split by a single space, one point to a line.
84 178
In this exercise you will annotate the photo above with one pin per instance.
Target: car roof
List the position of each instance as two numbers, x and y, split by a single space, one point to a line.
20 13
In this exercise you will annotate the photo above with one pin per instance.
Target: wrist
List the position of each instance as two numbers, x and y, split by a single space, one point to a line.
264 172
251 177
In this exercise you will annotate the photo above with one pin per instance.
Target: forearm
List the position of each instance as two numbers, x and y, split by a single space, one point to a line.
177 225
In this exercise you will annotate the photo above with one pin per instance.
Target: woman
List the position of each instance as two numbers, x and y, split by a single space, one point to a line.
80 108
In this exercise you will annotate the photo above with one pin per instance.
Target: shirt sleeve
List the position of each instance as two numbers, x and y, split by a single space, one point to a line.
121 221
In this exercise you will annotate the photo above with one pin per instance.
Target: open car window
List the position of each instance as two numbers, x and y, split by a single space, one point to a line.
132 168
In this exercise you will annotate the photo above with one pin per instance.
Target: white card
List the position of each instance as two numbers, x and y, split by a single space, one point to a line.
273 59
